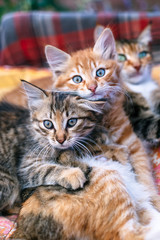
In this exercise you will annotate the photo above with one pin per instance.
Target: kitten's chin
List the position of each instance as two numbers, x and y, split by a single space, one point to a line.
134 79
94 97
59 146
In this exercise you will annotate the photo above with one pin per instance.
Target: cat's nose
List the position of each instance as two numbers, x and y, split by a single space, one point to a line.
61 139
92 88
137 67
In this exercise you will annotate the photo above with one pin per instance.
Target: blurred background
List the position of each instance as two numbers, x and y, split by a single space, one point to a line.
76 5
26 26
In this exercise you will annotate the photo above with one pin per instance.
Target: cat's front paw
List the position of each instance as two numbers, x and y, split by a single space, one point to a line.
72 178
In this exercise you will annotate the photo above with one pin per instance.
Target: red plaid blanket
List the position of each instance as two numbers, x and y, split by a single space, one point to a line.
24 34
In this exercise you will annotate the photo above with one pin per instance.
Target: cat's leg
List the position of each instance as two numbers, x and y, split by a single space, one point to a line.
115 152
67 158
9 189
35 172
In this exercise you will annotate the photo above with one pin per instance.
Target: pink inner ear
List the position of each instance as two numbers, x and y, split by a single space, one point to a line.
55 57
105 45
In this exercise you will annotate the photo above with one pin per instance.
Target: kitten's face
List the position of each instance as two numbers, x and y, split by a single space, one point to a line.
89 75
93 73
60 120
136 60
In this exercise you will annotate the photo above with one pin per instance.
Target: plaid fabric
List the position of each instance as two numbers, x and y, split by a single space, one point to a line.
24 34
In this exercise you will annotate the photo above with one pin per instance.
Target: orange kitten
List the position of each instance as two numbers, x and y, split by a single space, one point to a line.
95 74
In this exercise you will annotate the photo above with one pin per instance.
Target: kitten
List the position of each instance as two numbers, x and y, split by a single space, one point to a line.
143 104
30 144
111 206
95 74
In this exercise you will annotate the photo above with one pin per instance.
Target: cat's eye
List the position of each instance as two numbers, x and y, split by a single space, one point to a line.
121 58
71 122
142 54
48 124
100 72
77 79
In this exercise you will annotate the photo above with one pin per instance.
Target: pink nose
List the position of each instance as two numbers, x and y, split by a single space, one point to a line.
60 139
137 67
92 88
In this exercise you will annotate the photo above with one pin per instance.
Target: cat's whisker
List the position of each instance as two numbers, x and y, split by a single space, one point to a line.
92 141
78 150
46 151
86 143
84 148
41 153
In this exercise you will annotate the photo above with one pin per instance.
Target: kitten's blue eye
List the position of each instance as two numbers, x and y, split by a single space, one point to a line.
100 72
121 58
71 122
142 54
48 124
77 79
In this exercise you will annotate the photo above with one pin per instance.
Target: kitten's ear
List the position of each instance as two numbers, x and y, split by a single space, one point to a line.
34 94
105 45
56 59
97 32
146 36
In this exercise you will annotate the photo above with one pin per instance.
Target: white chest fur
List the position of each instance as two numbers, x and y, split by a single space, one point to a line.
144 88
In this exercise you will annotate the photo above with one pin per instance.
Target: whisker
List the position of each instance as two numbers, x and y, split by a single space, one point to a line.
84 148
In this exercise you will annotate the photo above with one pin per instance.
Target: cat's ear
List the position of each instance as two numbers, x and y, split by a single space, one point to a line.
146 36
56 59
34 94
105 45
97 32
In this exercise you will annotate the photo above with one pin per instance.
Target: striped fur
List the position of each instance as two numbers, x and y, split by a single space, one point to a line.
109 207
12 132
86 63
32 151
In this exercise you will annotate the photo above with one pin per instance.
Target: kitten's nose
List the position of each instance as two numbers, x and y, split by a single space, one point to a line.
137 67
61 139
92 88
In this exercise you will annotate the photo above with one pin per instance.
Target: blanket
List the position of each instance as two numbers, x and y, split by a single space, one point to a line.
23 35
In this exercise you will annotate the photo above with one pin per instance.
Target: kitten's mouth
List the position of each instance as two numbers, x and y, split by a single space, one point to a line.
96 96
136 74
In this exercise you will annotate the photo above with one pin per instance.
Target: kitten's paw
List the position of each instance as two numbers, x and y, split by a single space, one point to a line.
72 178
85 168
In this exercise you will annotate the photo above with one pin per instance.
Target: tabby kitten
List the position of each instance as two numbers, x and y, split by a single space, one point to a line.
111 206
31 143
143 103
95 74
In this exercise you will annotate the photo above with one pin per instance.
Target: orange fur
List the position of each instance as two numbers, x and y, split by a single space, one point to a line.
103 210
84 63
